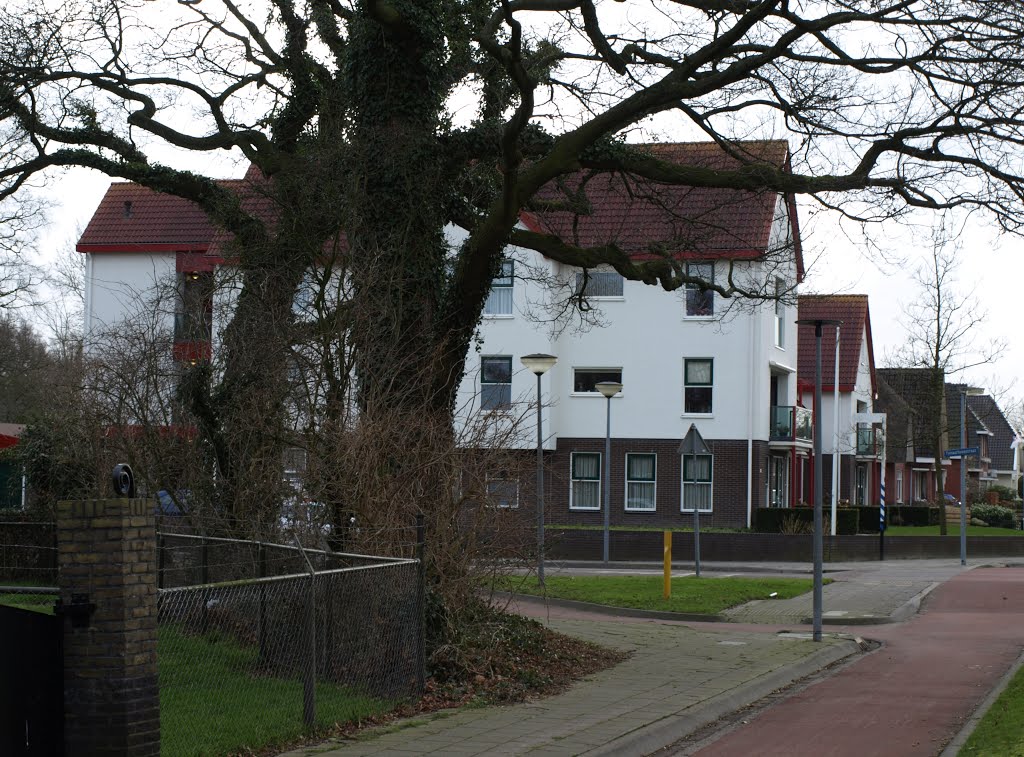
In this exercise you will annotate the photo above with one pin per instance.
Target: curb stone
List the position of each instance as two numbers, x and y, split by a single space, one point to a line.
672 728
621 612
953 747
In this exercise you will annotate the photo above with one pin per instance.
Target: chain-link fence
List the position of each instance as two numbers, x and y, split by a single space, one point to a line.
28 553
259 642
250 661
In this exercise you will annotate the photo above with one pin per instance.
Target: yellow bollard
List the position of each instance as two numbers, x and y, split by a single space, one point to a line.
668 564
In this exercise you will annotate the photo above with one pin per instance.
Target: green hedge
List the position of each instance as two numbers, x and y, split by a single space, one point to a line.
994 515
897 515
770 519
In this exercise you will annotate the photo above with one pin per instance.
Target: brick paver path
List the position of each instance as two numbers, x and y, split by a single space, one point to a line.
911 696
673 668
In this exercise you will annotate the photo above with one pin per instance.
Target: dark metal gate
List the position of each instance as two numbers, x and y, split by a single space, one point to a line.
31 683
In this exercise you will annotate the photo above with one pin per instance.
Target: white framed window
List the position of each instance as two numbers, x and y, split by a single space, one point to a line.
780 313
899 485
920 485
599 284
700 303
499 300
698 384
585 380
502 492
697 480
585 492
641 482
495 382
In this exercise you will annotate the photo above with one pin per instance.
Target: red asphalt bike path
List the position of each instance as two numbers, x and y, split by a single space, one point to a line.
909 697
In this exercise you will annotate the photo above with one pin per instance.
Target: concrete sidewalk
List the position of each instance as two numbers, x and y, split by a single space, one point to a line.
681 676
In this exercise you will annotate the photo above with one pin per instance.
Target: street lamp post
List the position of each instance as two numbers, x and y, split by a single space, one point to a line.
609 389
964 392
818 550
539 364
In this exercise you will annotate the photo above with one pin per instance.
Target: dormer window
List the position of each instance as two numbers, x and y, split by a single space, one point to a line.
127 208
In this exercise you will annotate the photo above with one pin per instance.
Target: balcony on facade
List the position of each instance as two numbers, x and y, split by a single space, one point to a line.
790 424
869 440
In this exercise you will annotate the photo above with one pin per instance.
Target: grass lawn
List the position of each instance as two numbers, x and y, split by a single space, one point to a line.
689 594
952 529
212 702
38 602
1001 731
659 529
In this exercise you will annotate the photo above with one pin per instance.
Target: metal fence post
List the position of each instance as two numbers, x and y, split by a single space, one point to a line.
421 604
160 561
261 561
309 677
204 578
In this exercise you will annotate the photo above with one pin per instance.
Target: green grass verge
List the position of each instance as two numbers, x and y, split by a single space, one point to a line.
1001 730
212 702
952 529
690 594
37 602
659 529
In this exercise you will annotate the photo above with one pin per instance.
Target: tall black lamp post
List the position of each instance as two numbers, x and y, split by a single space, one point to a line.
539 364
609 389
965 392
818 468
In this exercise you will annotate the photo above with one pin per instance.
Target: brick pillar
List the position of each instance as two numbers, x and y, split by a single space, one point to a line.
107 557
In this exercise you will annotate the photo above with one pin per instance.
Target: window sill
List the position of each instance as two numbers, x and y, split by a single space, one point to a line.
699 317
606 299
498 316
698 415
702 512
584 509
594 394
641 509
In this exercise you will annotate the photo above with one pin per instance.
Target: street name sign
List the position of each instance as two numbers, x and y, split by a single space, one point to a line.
961 452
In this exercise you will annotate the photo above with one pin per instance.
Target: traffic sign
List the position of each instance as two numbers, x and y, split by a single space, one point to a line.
961 452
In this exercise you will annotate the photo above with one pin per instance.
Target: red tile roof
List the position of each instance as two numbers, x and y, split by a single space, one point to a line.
852 310
131 218
9 434
644 217
640 216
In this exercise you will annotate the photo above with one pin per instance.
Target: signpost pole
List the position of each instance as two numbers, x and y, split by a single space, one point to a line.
963 480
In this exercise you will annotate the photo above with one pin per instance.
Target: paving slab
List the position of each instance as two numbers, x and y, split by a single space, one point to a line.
683 676
694 676
910 697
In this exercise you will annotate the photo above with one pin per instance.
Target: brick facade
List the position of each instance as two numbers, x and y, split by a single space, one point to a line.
729 486
107 555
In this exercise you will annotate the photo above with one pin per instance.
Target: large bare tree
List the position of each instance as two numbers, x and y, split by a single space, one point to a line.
945 337
354 113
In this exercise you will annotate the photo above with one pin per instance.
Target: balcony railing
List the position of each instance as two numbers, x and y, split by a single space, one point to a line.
869 441
790 423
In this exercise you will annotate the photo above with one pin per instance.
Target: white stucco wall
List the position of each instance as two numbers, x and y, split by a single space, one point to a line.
123 286
847 405
647 335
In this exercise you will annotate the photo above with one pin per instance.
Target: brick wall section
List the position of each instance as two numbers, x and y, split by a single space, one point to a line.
729 489
646 546
107 551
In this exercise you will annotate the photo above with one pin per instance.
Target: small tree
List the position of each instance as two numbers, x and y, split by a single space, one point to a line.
942 338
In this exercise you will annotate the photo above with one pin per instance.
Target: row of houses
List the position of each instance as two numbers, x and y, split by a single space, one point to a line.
740 370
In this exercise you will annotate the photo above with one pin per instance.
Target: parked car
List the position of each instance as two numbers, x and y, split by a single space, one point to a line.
951 501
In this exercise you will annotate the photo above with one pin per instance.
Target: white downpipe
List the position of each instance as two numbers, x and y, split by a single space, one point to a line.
835 435
750 433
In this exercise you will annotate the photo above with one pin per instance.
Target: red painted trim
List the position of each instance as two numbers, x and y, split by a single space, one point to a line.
134 431
7 441
143 247
196 262
189 352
